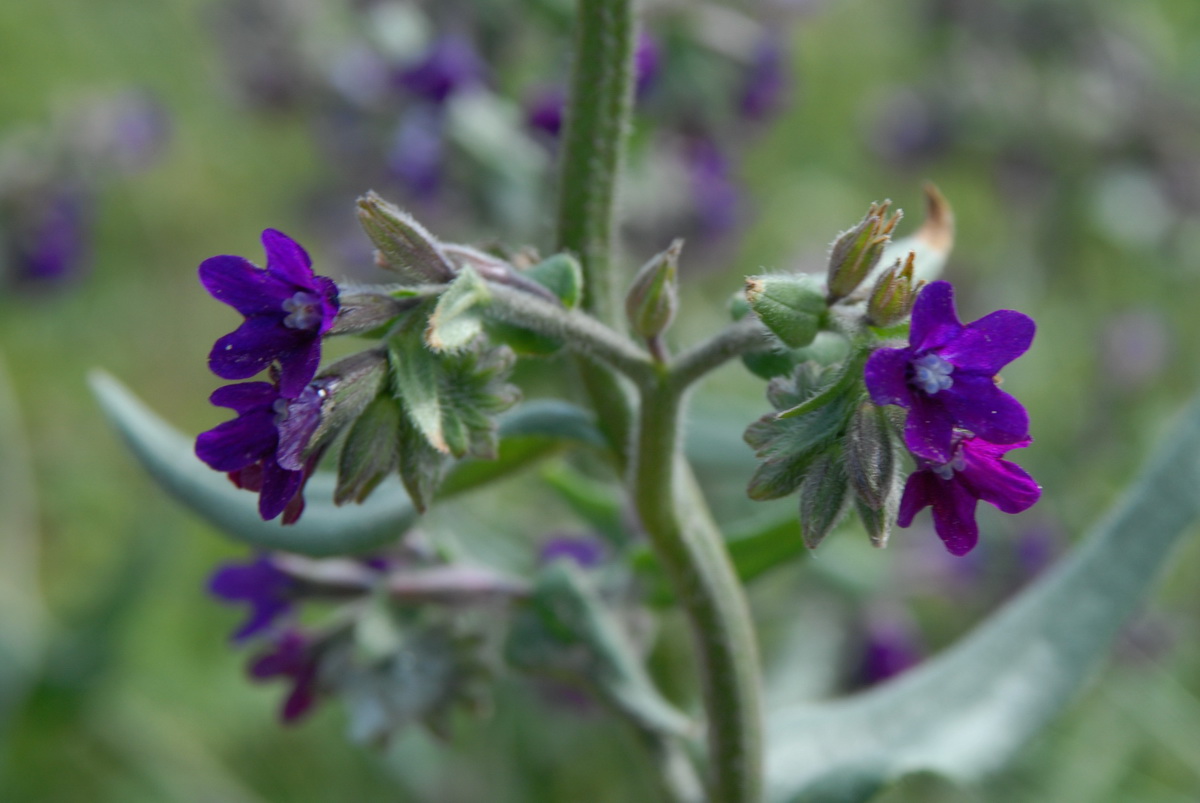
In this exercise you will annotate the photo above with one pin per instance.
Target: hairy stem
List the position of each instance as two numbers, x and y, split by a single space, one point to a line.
733 341
597 121
706 585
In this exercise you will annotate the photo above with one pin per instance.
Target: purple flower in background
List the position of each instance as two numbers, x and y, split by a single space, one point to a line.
646 62
714 194
891 646
418 151
140 129
946 377
51 237
586 551
450 65
765 87
263 448
287 310
292 657
267 590
544 110
975 471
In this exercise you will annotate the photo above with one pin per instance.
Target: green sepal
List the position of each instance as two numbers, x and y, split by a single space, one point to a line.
403 244
370 451
824 496
458 318
351 383
873 455
421 465
561 275
792 306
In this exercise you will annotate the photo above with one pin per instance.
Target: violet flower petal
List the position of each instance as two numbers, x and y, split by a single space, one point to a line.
1000 482
934 320
258 342
235 444
244 396
990 343
929 429
236 281
886 375
287 259
954 515
279 485
978 405
918 495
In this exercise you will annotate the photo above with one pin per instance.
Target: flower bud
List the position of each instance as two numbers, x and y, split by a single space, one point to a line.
894 293
367 309
855 252
403 244
654 294
791 306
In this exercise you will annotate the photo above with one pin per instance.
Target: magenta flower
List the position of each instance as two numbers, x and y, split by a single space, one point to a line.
947 375
287 310
975 471
262 585
293 658
263 448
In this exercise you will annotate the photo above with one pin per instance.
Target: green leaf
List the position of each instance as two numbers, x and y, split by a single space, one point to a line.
824 495
325 529
792 306
788 446
567 631
561 275
371 450
965 713
421 466
415 380
457 318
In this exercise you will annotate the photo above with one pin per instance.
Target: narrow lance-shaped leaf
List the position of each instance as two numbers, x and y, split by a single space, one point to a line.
964 713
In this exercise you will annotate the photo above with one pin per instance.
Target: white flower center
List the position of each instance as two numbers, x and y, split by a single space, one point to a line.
303 311
931 373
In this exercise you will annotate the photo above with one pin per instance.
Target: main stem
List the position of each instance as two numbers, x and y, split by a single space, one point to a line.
597 123
706 585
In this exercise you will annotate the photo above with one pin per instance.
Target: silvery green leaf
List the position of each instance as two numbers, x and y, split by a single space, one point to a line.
964 713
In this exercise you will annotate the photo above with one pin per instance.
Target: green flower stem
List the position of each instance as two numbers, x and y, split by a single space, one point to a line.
580 331
597 123
693 554
746 335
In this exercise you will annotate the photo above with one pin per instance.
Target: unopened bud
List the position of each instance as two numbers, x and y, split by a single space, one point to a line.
654 295
367 309
790 305
403 244
856 252
894 293
870 454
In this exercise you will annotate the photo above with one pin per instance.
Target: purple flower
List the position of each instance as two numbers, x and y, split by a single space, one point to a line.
713 190
891 646
450 65
52 237
292 657
544 110
766 83
646 61
287 310
585 551
263 448
975 471
417 154
947 375
267 590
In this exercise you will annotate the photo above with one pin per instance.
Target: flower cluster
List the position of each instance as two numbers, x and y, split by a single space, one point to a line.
287 311
959 424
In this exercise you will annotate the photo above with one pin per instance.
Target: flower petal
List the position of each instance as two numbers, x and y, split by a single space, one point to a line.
298 365
954 516
287 259
297 428
243 286
934 321
254 345
918 495
1000 482
978 405
886 375
990 343
929 429
245 396
236 444
278 487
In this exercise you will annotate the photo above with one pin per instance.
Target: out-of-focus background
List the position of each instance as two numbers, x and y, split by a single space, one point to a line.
138 138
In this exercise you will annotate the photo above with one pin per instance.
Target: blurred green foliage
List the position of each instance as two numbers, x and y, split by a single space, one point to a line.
1065 133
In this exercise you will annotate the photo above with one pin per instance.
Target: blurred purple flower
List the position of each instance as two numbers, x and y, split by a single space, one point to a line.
1134 348
450 65
51 237
262 449
647 61
714 193
292 657
544 110
287 310
765 87
140 129
909 129
891 646
946 377
586 551
417 153
974 471
267 590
